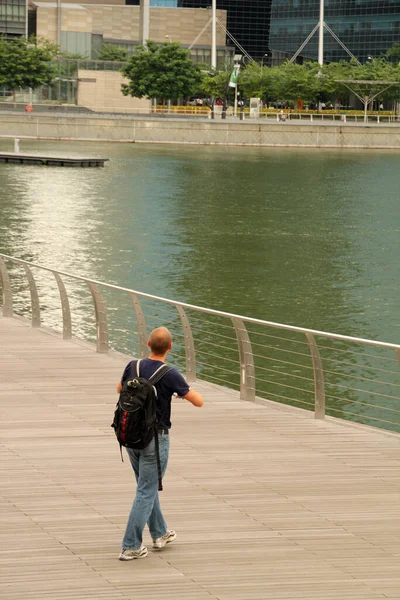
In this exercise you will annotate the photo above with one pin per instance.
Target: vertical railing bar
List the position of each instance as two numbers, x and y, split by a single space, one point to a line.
141 325
190 352
101 319
65 308
319 383
247 373
35 305
6 290
398 355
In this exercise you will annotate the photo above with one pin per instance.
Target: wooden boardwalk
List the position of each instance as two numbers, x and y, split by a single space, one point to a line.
267 502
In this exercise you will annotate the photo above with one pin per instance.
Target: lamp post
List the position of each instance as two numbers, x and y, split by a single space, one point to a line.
321 26
262 60
214 34
167 37
236 66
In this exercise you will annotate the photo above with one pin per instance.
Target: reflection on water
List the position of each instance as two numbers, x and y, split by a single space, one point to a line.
305 237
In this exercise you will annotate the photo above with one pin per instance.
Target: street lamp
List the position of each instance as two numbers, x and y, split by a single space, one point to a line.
167 37
236 66
262 60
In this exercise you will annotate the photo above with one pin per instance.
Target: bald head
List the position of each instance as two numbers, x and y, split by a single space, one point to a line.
160 340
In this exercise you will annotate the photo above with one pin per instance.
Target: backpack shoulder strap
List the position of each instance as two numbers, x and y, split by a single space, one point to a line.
135 367
157 375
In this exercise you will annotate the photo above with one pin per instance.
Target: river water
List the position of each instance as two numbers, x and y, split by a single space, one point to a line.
301 236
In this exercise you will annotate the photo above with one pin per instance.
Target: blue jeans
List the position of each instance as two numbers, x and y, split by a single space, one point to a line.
146 506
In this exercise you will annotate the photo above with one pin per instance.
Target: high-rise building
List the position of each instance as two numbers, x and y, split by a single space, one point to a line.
13 18
86 27
247 21
365 27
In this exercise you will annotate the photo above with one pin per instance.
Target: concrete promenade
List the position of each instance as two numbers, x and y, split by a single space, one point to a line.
267 502
130 128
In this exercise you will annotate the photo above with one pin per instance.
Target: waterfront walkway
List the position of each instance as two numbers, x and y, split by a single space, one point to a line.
268 503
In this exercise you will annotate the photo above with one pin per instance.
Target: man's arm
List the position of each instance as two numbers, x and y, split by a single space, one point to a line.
119 387
194 397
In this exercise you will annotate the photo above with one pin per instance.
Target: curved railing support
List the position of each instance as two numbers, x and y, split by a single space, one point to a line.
101 319
35 305
319 384
66 311
247 373
398 355
141 325
189 345
6 290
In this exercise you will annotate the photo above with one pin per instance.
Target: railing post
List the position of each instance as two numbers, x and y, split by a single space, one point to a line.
398 355
6 290
35 305
101 319
66 311
247 374
189 345
141 325
319 385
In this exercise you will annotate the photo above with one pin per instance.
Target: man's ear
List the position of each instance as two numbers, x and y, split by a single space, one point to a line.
148 343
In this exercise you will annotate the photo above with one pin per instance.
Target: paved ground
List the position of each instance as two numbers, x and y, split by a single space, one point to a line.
267 503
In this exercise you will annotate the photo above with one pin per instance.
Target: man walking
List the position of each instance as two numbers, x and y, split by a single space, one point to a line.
146 505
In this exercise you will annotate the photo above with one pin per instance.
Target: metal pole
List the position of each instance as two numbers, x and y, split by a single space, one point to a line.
59 23
214 34
7 291
247 372
144 21
26 19
189 345
321 33
319 384
236 98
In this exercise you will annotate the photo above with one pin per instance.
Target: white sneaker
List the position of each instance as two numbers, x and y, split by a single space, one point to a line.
132 554
169 537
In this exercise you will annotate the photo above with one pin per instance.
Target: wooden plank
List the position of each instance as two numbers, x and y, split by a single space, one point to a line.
57 161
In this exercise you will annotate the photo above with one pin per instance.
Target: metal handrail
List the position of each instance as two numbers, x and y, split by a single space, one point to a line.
238 323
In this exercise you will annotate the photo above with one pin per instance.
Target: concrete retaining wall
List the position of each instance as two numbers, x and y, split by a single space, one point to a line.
134 129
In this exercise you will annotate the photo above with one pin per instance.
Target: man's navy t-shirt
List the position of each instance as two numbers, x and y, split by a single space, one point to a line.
171 383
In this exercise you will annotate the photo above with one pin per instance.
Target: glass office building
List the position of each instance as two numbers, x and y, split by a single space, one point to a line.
366 27
247 21
12 18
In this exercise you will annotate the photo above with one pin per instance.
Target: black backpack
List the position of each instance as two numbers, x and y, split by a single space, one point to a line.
135 417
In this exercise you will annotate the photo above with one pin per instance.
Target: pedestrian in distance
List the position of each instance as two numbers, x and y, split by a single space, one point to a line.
146 505
282 116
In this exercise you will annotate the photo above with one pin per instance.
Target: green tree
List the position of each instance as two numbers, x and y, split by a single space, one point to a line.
112 52
374 80
214 83
257 82
393 54
25 64
299 82
161 71
289 82
330 75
